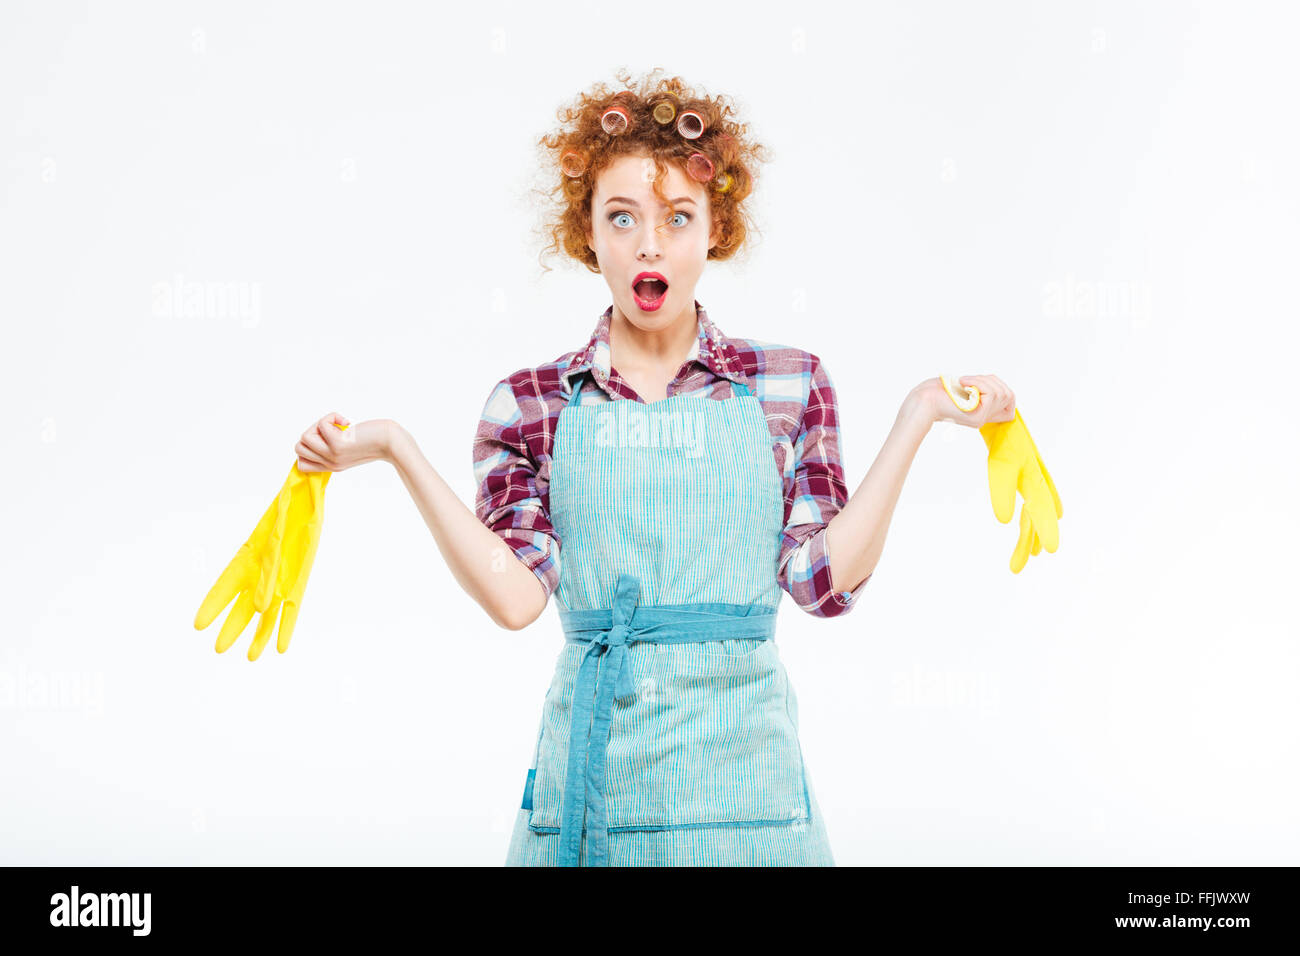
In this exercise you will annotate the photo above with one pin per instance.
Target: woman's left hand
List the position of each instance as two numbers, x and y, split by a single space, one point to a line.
997 401
326 447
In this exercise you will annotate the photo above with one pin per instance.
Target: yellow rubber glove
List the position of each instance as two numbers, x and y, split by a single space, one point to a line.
1016 466
269 572
1051 485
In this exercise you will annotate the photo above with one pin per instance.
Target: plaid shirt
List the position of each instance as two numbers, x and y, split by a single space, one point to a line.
512 448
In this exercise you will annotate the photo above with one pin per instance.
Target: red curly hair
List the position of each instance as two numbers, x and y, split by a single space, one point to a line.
582 143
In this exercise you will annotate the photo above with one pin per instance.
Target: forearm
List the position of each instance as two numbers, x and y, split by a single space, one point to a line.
856 535
482 564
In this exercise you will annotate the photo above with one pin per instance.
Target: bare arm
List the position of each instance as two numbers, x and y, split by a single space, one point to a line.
486 569
860 527
856 535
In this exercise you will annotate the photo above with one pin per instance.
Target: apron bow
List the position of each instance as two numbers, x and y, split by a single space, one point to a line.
593 701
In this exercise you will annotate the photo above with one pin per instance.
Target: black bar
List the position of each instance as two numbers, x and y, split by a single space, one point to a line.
298 905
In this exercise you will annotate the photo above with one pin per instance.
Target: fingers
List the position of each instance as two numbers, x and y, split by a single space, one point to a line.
312 445
319 447
308 463
974 381
311 448
333 426
336 439
997 401
334 432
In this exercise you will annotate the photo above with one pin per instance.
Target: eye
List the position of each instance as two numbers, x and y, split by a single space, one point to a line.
687 215
615 215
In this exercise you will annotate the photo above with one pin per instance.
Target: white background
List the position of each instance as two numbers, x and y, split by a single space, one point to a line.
1096 202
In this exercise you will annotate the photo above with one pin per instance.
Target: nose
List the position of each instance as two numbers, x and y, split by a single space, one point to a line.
648 243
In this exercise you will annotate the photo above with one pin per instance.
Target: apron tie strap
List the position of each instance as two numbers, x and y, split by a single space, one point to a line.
593 704
604 675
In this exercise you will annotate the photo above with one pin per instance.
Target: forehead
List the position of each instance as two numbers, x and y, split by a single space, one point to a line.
633 176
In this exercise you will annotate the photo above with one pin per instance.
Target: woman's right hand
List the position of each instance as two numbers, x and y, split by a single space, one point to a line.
326 446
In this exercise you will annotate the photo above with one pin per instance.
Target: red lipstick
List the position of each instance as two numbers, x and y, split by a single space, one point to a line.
649 289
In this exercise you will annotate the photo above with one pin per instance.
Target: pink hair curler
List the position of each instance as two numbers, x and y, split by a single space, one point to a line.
699 167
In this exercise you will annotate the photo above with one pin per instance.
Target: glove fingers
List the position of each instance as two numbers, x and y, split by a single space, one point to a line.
311 539
1038 502
303 511
1021 554
1051 486
293 603
292 553
231 582
288 618
1035 544
269 557
1003 477
299 548
235 622
1047 476
301 555
284 560
264 628
304 572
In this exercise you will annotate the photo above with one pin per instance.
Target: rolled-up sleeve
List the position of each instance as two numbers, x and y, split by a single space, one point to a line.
816 496
509 500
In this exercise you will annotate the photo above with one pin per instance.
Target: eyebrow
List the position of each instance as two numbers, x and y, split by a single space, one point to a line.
632 202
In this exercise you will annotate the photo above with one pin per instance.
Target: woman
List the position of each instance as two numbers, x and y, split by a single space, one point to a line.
666 482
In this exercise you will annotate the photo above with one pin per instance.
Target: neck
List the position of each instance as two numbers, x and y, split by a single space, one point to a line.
664 346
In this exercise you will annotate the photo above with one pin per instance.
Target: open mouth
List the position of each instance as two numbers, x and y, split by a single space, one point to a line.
649 293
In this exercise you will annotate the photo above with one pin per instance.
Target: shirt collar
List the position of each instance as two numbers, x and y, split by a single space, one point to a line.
711 348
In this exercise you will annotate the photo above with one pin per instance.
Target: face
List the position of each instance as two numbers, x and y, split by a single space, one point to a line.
632 233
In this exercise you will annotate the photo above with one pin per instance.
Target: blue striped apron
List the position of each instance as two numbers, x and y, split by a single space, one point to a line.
670 731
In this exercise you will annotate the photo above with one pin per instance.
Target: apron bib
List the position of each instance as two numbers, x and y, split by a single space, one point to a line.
669 709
